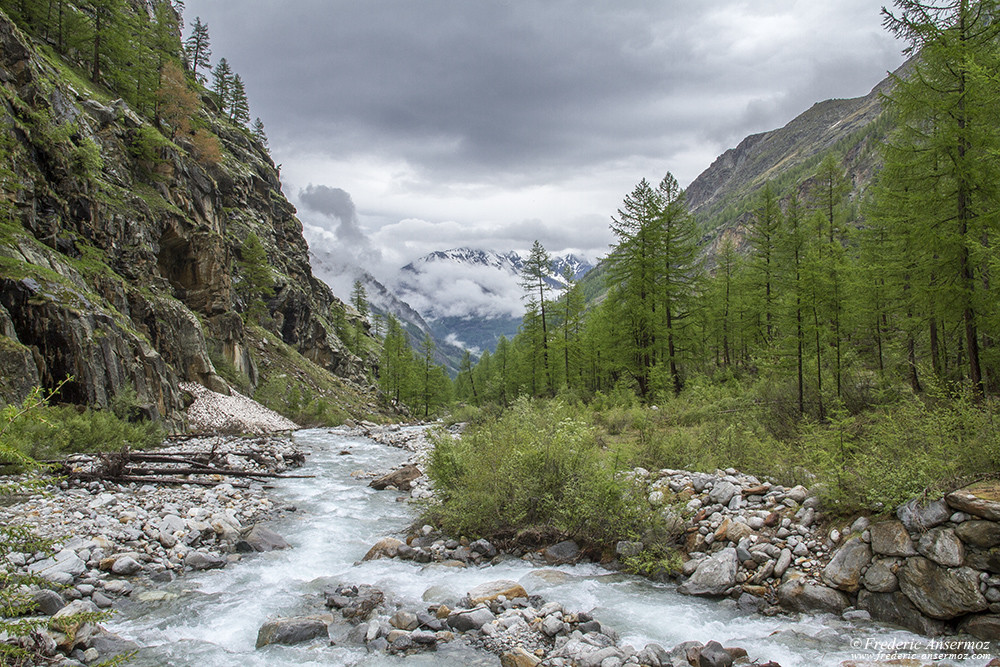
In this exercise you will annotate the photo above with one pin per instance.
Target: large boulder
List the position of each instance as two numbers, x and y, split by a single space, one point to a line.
919 516
65 562
293 630
942 546
896 608
845 568
977 500
880 578
715 575
567 551
799 595
890 538
982 626
979 533
401 478
494 589
260 538
387 547
939 592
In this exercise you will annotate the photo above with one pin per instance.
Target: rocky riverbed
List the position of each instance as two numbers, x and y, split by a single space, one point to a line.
109 536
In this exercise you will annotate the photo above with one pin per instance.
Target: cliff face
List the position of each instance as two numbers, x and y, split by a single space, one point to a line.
119 251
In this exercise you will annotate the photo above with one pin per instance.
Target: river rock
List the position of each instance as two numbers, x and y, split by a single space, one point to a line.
519 657
988 560
845 568
879 578
290 631
798 494
938 592
48 601
484 548
567 551
714 655
470 619
402 478
975 500
494 589
387 547
919 516
897 609
204 560
73 632
57 567
800 595
889 538
715 575
942 546
982 626
979 533
357 602
261 539
784 560
404 620
126 565
723 492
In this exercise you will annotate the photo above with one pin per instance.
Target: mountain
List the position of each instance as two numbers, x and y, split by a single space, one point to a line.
383 302
122 241
470 297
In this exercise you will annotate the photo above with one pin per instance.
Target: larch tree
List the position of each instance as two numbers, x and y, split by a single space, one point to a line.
534 281
198 49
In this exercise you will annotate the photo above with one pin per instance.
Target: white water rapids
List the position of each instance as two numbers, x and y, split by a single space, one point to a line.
210 619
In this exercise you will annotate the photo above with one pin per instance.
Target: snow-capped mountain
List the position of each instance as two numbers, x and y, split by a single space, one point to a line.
471 296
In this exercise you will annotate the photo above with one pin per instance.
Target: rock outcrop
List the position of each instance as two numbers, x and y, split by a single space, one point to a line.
126 274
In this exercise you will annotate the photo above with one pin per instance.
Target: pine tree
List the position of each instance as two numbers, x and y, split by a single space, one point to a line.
763 237
946 111
198 48
222 84
534 281
239 106
257 132
359 299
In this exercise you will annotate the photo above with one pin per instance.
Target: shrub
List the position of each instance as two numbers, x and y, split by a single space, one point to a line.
537 467
85 159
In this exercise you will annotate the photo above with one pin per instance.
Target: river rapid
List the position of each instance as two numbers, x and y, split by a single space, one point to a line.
211 618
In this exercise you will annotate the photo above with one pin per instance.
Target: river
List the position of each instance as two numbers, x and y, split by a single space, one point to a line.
210 619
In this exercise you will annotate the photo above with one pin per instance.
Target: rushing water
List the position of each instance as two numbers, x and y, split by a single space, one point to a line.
210 619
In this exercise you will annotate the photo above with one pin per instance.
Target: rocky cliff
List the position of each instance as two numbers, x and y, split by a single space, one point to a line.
119 251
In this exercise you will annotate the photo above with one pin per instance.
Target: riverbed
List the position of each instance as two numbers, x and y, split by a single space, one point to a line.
211 618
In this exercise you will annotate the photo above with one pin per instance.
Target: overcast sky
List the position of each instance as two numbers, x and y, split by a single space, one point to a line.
406 126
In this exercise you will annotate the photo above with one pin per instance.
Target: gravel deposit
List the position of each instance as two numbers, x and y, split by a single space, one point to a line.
216 413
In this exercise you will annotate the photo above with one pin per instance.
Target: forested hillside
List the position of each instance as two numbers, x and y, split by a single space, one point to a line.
145 240
844 332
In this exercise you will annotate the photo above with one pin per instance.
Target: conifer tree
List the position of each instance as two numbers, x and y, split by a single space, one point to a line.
198 48
258 283
239 106
534 276
257 132
222 84
763 237
359 299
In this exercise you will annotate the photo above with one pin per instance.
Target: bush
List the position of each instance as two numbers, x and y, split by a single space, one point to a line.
298 403
535 468
85 159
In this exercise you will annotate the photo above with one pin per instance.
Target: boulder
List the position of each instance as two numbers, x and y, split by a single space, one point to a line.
939 592
484 548
979 533
982 626
890 538
126 565
723 492
48 601
919 516
880 578
715 575
290 631
387 547
799 595
845 568
567 551
470 619
354 602
896 608
655 655
404 620
519 657
714 655
65 562
261 538
988 560
942 546
494 589
204 560
977 500
401 478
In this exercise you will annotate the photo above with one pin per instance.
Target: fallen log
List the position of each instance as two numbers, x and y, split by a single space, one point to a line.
214 471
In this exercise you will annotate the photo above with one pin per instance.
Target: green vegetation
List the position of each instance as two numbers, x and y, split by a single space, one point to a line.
846 344
537 470
409 379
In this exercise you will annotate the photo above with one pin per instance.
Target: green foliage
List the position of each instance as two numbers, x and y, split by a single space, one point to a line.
299 403
85 159
257 281
536 467
146 146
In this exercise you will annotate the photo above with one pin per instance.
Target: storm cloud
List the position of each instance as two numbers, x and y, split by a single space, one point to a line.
530 115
